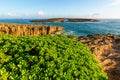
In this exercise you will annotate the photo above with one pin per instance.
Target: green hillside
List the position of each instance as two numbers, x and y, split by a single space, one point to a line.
46 58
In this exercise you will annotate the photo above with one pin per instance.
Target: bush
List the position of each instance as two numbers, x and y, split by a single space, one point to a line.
46 58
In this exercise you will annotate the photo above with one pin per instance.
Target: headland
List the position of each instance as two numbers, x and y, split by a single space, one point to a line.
28 29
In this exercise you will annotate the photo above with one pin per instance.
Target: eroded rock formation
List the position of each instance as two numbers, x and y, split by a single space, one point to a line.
28 29
106 49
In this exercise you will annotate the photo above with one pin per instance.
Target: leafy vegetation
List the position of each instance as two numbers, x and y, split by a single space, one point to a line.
46 58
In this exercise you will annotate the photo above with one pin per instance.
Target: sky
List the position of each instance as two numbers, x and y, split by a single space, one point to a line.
39 9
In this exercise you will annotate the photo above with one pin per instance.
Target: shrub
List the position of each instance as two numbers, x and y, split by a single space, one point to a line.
46 58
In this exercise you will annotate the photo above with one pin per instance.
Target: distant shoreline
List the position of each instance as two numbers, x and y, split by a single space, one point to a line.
65 20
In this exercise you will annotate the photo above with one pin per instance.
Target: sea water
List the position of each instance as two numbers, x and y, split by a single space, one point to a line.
105 26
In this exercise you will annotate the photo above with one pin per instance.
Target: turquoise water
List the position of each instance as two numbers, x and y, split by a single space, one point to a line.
79 28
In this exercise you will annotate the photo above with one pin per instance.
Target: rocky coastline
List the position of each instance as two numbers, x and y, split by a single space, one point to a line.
66 20
28 29
106 49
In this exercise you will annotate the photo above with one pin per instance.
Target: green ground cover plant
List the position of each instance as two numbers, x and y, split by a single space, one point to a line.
46 58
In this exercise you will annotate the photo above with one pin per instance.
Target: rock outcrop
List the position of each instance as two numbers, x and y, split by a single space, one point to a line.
66 20
106 49
28 29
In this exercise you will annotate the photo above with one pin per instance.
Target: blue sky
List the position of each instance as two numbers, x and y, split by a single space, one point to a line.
59 8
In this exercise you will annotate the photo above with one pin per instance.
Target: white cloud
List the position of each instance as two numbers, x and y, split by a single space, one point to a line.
22 15
115 2
11 14
41 13
15 15
93 15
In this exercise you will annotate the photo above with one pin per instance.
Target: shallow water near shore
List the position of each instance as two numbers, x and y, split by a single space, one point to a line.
111 26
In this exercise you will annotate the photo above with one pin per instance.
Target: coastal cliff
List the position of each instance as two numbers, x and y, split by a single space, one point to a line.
66 20
28 29
106 49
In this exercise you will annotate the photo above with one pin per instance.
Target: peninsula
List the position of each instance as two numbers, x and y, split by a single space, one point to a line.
65 20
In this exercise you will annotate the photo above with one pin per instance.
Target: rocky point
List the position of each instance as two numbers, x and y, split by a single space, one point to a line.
28 29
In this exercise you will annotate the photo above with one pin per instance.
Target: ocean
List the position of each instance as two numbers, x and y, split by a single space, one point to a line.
111 26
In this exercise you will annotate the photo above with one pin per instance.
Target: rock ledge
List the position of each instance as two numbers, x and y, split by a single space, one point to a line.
28 29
